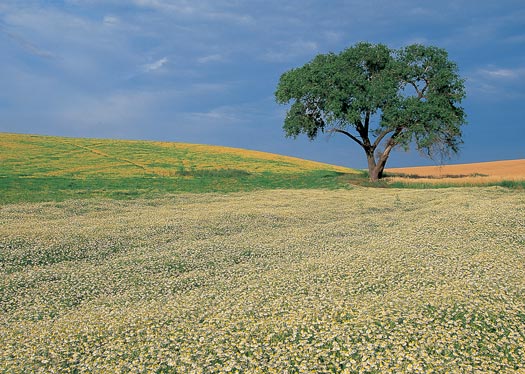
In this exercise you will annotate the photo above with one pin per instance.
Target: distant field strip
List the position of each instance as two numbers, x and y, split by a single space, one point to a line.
297 281
463 174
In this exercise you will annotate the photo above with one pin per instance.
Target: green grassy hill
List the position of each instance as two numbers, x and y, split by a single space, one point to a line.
40 168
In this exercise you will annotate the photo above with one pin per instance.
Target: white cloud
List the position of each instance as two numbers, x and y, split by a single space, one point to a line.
203 9
49 23
110 21
206 88
26 44
496 82
79 44
502 73
210 58
115 110
155 65
165 6
228 114
288 51
515 39
419 11
333 36
218 115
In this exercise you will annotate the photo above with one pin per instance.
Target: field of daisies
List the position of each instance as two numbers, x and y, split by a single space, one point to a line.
304 281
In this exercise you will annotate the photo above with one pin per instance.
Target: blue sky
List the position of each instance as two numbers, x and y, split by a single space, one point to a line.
204 71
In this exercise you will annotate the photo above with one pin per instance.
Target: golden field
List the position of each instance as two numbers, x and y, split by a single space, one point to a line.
48 156
474 173
44 168
303 281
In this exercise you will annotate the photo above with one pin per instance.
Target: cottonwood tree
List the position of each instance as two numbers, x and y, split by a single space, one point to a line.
380 98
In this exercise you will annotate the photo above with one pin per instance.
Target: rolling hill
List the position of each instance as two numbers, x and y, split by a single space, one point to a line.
39 168
48 168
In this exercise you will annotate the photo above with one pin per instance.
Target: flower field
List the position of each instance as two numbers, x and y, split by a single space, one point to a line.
289 281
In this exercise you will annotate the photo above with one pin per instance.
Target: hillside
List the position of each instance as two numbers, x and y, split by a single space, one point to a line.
39 168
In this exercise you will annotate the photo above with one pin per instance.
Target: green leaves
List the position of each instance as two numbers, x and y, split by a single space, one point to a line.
431 115
413 95
299 120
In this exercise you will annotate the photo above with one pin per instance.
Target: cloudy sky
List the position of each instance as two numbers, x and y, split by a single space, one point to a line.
204 71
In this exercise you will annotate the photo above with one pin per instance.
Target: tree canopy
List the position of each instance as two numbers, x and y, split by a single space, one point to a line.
380 98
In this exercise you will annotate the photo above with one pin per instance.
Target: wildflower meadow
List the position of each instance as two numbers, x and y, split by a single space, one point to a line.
275 281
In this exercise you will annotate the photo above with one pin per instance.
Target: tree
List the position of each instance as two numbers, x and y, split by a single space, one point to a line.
380 98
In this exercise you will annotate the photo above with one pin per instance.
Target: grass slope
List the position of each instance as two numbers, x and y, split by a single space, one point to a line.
361 281
43 168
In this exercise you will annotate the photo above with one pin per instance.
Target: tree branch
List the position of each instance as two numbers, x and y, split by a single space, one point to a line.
395 134
389 145
391 142
360 128
349 135
413 84
427 83
381 137
418 91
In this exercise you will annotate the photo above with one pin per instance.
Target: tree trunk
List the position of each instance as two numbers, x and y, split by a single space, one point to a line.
376 169
376 173
373 171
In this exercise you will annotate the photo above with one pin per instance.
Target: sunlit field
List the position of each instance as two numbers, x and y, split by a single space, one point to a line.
353 281
44 156
510 173
44 168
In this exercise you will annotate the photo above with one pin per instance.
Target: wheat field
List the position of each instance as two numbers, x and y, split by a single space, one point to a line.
302 281
481 173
